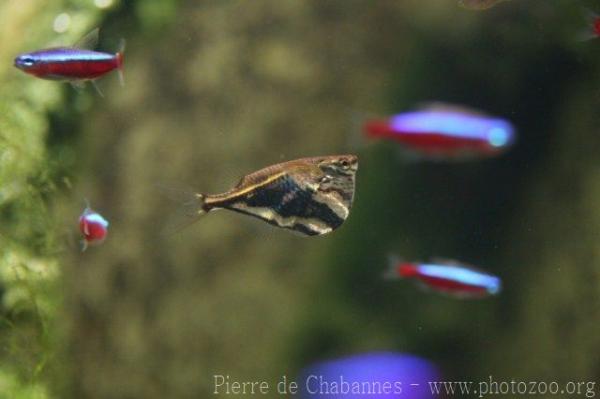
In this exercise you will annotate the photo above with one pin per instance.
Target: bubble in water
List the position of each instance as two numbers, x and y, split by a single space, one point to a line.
103 3
62 22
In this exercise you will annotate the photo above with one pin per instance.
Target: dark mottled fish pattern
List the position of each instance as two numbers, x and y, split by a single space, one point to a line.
311 196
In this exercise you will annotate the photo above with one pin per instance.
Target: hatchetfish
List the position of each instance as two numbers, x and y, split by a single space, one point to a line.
445 132
76 64
311 196
93 227
448 277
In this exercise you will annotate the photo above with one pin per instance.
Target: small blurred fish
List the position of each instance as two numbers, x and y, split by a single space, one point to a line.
76 64
479 4
592 31
93 227
445 132
447 277
312 196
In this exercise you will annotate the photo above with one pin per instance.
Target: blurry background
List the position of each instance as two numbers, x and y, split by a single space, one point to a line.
218 89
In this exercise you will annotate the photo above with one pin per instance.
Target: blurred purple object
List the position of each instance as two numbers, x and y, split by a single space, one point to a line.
370 375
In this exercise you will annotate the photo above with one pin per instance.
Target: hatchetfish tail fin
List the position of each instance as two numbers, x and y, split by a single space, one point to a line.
191 208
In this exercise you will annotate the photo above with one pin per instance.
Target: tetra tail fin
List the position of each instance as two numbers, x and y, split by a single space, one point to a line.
589 32
391 273
119 56
399 268
359 136
191 208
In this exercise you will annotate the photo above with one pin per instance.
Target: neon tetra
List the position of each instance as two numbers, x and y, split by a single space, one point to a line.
76 64
445 132
93 227
447 277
